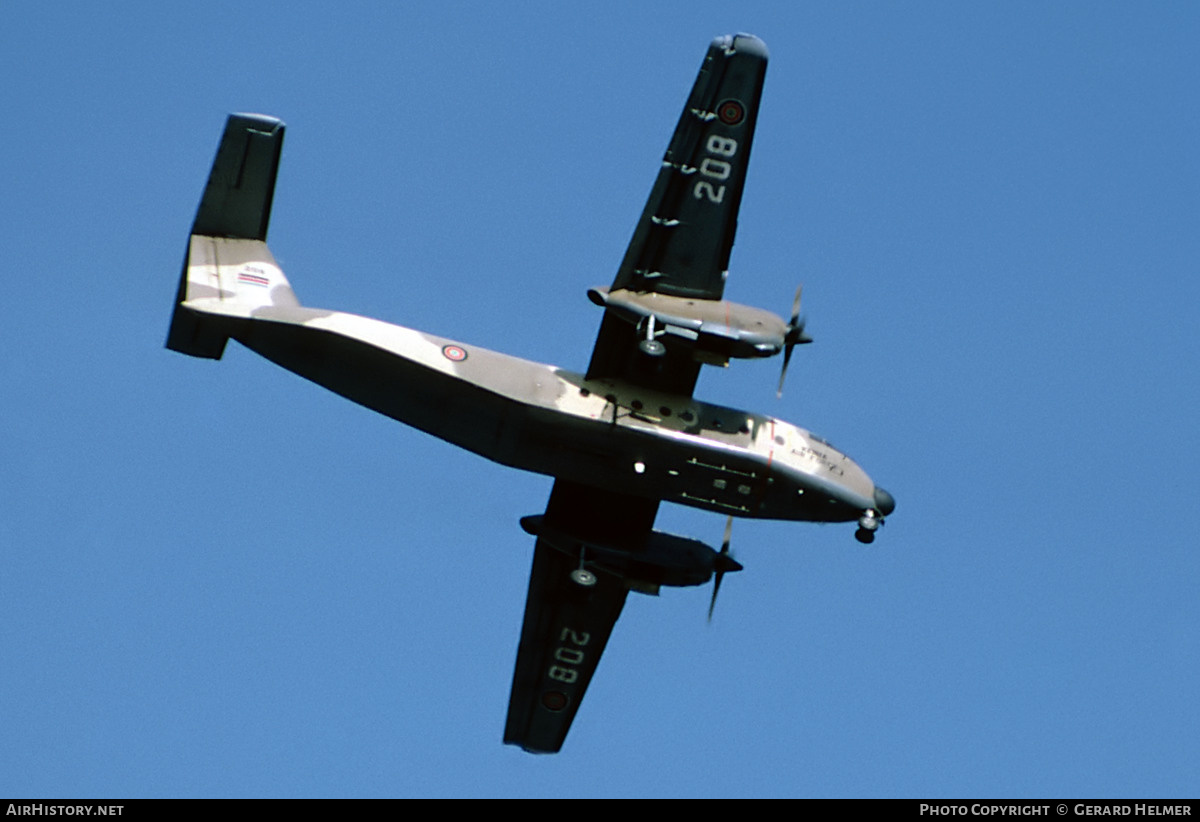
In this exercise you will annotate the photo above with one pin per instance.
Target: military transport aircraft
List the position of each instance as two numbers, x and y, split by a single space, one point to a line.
618 439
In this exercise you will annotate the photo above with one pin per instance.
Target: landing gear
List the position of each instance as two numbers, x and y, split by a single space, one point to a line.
583 578
650 346
868 524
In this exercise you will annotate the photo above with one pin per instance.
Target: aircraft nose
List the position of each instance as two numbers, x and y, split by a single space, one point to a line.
884 501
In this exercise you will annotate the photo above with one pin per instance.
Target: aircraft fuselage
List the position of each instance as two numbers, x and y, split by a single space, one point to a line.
601 433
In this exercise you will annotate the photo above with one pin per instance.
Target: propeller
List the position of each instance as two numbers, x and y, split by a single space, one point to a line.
791 338
724 562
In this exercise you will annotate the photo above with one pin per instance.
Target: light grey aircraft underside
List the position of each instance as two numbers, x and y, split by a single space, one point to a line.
618 439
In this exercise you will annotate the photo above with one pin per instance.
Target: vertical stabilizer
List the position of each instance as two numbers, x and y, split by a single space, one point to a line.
228 258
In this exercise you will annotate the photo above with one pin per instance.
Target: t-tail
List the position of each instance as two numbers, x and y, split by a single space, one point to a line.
228 262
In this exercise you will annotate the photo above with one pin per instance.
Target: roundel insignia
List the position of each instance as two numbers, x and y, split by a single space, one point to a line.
554 700
454 352
731 112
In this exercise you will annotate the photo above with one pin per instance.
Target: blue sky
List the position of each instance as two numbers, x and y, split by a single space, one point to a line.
220 580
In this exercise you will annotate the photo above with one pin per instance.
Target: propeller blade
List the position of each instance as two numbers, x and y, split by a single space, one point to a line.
794 335
716 588
723 563
787 358
796 305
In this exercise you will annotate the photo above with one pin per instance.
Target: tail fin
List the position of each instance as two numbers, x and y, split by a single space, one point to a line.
228 260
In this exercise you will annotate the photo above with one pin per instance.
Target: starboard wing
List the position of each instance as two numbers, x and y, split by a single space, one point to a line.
567 625
683 240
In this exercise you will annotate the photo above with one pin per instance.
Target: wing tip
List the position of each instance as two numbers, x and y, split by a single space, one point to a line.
265 121
531 747
742 43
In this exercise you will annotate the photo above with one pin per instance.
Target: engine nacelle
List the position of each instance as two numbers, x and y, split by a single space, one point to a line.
716 329
662 559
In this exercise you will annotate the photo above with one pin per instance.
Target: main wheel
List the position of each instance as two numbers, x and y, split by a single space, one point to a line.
652 348
583 578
